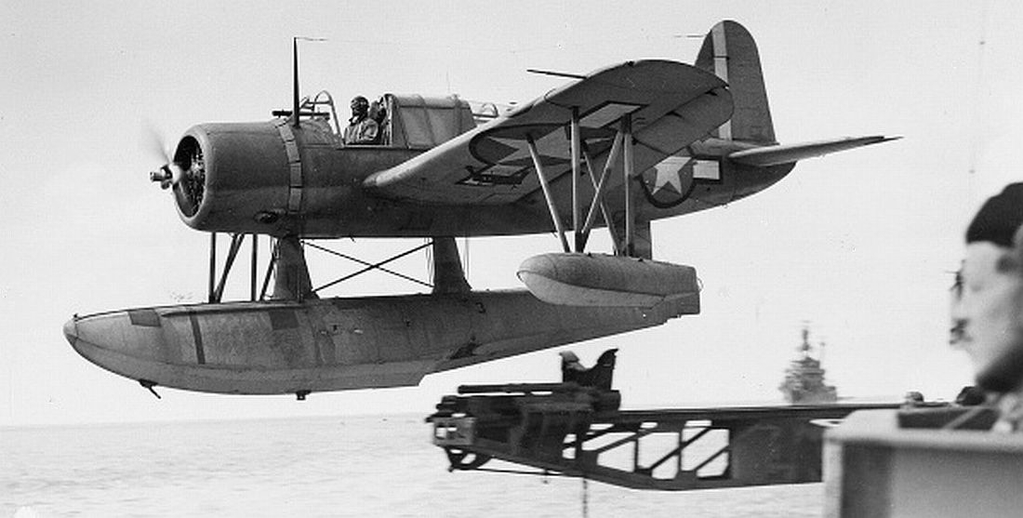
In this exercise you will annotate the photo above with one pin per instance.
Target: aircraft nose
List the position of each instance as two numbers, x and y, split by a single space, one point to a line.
118 341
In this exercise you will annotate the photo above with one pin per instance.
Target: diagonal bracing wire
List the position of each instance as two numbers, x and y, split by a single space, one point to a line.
371 266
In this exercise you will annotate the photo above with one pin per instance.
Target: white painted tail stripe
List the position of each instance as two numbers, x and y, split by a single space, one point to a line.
721 69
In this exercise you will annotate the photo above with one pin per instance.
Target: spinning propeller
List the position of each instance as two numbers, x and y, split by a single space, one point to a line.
154 145
184 169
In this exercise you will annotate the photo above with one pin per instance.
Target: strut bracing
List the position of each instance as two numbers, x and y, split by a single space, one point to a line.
545 185
628 169
576 150
598 196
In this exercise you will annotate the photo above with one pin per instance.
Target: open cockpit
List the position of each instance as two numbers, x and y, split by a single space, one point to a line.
406 121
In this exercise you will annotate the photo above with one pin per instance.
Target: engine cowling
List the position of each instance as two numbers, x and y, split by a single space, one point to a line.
219 161
270 178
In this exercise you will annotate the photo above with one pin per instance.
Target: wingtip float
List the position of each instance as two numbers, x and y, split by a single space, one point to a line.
608 281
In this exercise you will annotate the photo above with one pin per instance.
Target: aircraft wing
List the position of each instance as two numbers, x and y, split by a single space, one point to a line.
672 104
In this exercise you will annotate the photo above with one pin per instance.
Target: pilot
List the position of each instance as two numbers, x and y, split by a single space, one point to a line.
361 128
987 304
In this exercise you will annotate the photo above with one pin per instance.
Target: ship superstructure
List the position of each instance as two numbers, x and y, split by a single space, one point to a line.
804 379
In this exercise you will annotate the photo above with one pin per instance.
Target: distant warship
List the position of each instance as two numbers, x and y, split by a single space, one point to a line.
804 379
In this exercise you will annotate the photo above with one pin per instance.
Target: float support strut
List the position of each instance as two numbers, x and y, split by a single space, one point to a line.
580 239
547 193
630 209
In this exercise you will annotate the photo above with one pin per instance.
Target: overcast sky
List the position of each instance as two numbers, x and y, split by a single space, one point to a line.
859 244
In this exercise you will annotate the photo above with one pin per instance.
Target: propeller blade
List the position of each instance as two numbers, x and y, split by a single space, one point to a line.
153 143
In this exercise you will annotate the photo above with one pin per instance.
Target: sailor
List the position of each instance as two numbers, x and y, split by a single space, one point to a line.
361 128
912 399
987 304
970 396
599 376
571 367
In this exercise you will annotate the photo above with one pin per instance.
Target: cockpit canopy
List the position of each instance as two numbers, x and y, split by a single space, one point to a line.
409 121
417 122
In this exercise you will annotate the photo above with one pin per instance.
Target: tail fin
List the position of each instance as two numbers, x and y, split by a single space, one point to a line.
730 52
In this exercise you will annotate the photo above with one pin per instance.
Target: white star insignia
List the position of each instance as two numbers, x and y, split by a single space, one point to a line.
552 148
669 172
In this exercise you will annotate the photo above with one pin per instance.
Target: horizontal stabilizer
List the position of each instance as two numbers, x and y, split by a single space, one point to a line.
785 154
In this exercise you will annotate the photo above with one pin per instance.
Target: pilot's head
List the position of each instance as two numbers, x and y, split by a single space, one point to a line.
987 303
359 106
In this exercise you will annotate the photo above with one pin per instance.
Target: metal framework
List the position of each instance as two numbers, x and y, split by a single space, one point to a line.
567 430
581 227
217 284
218 280
377 266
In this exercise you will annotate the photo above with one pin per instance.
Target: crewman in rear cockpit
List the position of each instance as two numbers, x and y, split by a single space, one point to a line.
378 114
361 129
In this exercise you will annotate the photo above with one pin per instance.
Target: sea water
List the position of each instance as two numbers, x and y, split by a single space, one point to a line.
328 466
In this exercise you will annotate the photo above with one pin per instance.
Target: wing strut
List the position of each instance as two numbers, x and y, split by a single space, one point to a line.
547 192
580 241
623 146
630 209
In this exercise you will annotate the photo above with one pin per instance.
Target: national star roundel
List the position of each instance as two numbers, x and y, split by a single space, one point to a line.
671 181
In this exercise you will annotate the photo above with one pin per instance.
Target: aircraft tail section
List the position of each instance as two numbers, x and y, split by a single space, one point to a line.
730 53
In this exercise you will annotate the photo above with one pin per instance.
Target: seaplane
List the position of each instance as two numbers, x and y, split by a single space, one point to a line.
613 149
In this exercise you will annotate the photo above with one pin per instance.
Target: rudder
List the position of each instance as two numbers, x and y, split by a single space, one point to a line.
730 53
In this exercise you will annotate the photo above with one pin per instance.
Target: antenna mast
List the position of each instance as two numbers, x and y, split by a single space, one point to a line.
294 62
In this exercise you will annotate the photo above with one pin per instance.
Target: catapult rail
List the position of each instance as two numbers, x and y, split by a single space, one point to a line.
569 430
766 412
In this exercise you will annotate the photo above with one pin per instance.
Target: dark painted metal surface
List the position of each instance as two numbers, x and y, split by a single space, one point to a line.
565 429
